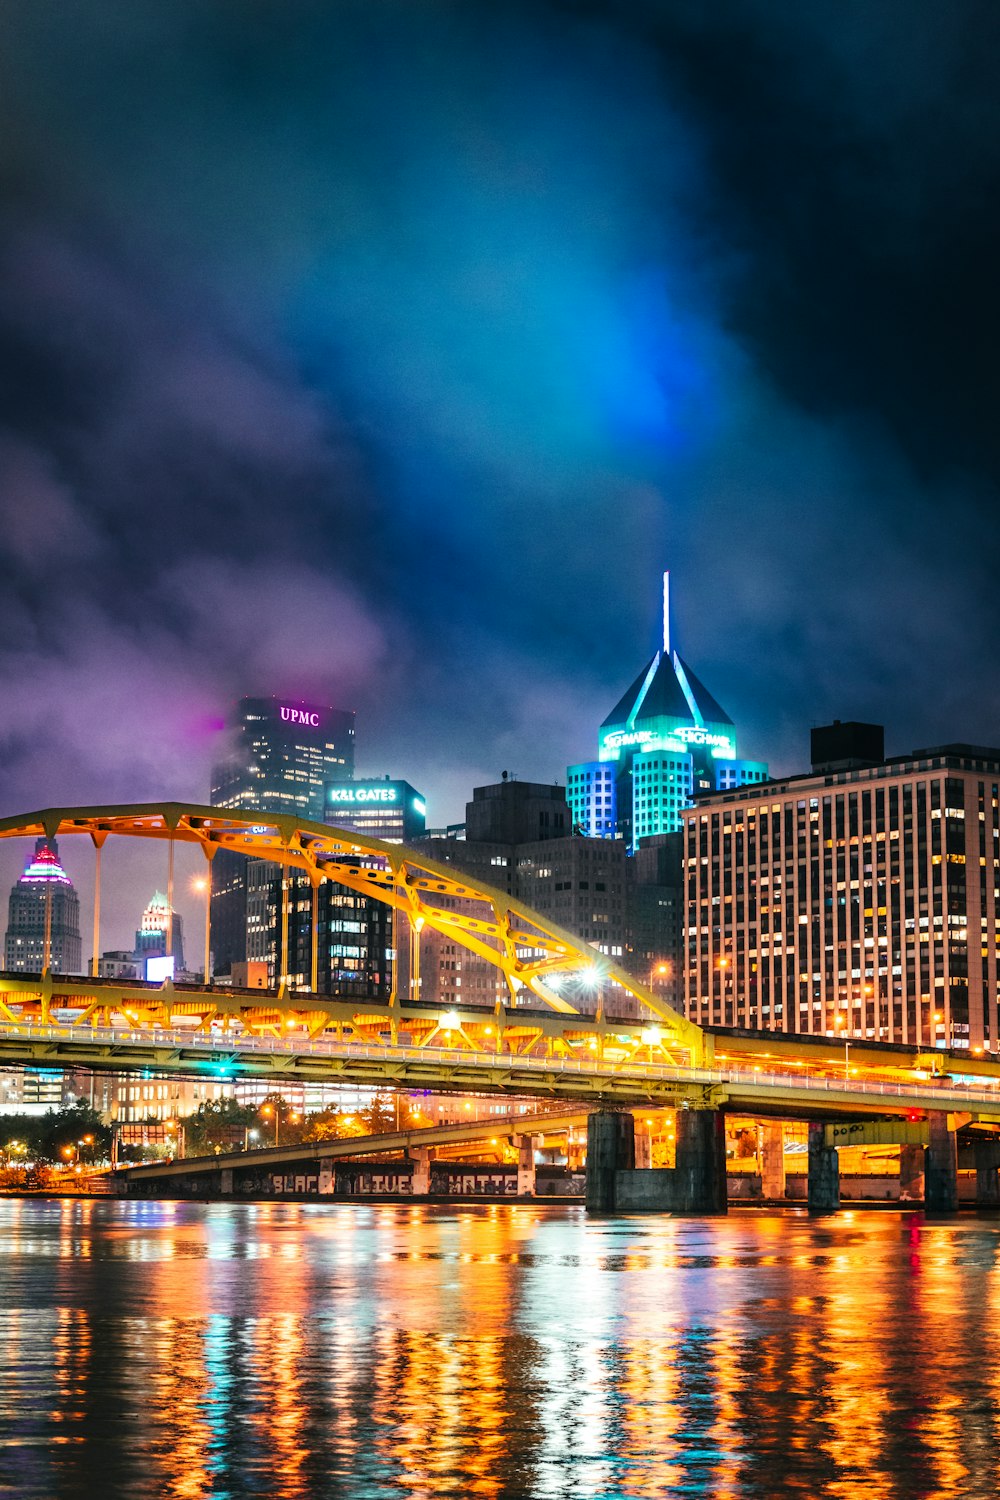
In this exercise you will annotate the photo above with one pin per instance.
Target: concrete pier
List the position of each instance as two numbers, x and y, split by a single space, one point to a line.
987 1159
772 1160
421 1180
911 1174
525 1166
610 1148
700 1172
824 1172
940 1167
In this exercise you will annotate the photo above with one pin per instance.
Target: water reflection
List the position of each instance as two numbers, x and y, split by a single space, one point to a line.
344 1350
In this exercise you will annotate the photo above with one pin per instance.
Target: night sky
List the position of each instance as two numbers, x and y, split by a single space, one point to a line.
383 354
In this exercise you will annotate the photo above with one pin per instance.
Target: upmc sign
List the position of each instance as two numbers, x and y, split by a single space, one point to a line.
299 715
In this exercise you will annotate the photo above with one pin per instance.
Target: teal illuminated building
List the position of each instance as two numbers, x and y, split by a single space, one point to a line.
665 739
393 811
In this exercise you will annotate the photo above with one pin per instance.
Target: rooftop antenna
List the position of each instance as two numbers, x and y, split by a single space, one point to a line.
666 614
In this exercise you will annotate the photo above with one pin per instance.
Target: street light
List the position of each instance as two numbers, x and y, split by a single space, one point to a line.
840 1021
203 887
267 1111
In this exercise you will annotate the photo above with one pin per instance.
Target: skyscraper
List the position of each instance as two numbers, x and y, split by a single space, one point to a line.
151 938
860 899
280 756
393 811
665 739
43 924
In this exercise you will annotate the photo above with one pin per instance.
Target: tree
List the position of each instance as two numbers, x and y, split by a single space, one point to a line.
281 1123
221 1123
380 1116
322 1125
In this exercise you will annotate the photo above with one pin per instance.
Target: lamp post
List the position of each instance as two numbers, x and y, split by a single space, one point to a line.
840 1021
267 1110
203 887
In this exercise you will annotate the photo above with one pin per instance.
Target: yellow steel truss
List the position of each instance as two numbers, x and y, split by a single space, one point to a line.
531 952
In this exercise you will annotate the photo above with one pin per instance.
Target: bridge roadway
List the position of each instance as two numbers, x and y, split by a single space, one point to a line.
71 1022
350 1148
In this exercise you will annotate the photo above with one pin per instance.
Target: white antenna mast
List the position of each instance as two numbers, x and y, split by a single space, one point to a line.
666 614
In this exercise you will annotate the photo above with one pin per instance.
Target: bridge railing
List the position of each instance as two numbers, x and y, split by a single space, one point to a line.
228 1049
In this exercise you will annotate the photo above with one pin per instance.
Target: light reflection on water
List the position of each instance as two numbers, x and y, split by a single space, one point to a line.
184 1350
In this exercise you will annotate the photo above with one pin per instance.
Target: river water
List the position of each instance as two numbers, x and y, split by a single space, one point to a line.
284 1350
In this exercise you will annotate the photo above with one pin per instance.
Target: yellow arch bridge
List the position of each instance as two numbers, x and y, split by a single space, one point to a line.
628 1045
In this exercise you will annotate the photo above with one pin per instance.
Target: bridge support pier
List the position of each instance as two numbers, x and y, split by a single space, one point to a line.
940 1167
610 1146
911 1173
987 1158
772 1160
824 1172
526 1166
420 1182
643 1145
700 1171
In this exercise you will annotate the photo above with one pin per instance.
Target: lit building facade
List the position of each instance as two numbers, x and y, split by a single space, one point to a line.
858 900
281 754
160 931
665 740
44 910
518 840
393 811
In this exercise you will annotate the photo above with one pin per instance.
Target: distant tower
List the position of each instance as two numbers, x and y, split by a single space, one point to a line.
281 754
151 934
665 739
43 899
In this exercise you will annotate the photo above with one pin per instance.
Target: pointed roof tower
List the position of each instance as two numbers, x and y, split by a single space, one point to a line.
666 703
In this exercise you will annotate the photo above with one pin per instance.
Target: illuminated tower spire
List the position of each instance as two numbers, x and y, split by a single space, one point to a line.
666 614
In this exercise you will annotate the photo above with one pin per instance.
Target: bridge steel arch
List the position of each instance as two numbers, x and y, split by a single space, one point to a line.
531 952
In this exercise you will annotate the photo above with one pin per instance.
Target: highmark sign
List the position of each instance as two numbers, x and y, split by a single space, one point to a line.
667 736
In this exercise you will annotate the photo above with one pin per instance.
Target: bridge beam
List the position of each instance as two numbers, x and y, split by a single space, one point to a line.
940 1167
610 1148
700 1171
824 1172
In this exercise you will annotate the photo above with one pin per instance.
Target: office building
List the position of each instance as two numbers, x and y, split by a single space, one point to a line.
516 812
279 758
43 917
665 740
392 811
860 898
356 934
160 933
656 916
118 963
519 841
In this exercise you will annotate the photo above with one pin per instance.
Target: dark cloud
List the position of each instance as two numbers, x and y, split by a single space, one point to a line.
386 352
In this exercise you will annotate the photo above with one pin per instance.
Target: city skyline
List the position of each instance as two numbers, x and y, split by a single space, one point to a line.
437 373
